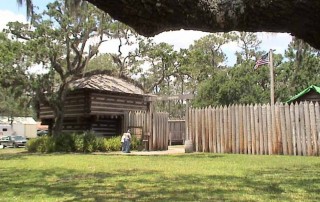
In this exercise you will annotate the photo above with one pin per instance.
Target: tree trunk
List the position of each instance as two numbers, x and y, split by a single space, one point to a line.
59 110
58 121
150 17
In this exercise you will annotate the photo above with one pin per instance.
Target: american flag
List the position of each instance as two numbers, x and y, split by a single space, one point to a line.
262 61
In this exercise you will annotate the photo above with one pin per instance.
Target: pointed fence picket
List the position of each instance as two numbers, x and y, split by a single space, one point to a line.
257 129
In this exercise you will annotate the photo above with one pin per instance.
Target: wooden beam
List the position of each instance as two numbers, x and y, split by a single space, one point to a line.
167 98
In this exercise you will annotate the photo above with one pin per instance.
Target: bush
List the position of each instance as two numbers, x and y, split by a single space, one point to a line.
100 144
64 143
136 144
43 144
78 142
85 142
113 144
89 142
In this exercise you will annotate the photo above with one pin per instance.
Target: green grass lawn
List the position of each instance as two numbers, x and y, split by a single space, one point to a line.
193 177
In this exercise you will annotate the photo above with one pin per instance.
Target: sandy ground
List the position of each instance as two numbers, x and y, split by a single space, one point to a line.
177 149
172 150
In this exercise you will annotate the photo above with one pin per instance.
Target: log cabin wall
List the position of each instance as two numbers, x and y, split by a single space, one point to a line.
76 124
107 126
77 104
100 111
115 103
312 96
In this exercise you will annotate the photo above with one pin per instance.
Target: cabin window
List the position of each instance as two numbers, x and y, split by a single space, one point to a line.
4 129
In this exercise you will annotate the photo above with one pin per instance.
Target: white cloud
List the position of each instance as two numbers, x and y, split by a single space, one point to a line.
277 41
179 39
8 16
183 39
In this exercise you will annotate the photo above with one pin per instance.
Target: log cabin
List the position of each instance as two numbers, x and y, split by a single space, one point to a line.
310 94
98 103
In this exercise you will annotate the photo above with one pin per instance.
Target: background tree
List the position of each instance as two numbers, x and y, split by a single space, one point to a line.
14 83
249 44
205 57
301 69
239 84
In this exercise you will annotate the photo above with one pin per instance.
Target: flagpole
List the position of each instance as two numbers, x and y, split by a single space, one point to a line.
271 77
274 139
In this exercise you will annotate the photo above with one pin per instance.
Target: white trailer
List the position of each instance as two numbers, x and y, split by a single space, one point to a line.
25 126
6 129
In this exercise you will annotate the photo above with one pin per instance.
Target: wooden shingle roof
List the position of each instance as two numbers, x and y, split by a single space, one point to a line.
106 83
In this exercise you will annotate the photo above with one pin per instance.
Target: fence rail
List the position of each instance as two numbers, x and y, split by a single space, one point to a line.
256 129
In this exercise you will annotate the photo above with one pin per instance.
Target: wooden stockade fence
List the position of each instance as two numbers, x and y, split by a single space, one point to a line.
157 132
294 130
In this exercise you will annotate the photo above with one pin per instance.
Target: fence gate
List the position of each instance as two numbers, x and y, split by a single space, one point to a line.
177 131
155 130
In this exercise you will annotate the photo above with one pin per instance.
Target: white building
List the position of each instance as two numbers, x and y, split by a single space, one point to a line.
25 126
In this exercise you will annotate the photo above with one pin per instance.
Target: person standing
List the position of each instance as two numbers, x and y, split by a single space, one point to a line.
127 141
122 142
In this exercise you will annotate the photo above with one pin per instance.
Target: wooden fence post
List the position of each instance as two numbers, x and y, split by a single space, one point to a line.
317 138
241 127
237 129
249 141
260 129
221 130
229 132
298 130
264 129
257 129
313 128
225 129
253 130
214 130
293 130
289 129
203 132
283 138
302 129
307 127
210 131
269 124
234 129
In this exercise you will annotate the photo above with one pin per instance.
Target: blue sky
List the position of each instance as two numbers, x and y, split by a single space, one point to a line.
10 11
12 5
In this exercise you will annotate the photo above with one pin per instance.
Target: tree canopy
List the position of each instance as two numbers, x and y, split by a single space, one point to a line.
149 17
63 43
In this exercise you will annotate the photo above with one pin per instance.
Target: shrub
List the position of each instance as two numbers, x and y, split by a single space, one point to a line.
136 144
89 142
43 144
113 143
100 144
85 142
78 142
64 143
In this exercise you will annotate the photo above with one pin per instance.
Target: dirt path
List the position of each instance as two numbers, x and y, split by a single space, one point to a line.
177 149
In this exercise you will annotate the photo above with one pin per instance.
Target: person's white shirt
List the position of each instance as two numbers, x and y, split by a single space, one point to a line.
127 135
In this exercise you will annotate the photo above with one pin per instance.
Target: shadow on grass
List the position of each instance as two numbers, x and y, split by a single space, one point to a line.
151 185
